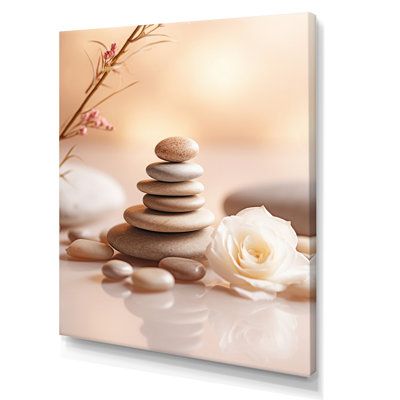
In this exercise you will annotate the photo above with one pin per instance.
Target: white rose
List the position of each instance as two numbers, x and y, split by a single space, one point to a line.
256 254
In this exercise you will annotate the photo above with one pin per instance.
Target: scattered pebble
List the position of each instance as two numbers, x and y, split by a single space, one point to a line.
89 250
117 270
74 234
307 244
183 269
153 279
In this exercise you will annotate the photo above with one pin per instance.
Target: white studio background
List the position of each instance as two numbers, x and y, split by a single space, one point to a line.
358 210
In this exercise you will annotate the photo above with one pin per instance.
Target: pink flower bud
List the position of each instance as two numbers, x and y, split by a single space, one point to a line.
83 130
109 54
85 117
94 113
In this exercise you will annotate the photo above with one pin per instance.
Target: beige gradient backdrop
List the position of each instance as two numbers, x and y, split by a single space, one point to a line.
239 87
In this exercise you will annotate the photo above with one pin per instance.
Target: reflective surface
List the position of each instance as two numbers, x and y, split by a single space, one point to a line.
202 320
250 111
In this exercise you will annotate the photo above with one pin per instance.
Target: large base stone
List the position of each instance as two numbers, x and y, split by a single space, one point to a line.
140 243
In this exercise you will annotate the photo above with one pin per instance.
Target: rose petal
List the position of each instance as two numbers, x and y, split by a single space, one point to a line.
254 295
261 284
299 271
259 215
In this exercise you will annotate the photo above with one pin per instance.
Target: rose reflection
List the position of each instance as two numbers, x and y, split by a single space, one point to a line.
263 331
173 321
179 320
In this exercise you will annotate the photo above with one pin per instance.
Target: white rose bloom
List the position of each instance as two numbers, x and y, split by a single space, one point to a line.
256 254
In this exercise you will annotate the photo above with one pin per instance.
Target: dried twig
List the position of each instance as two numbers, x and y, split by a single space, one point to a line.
69 155
103 69
114 93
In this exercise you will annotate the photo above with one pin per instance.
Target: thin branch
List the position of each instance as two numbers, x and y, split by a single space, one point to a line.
157 35
93 73
114 93
142 48
64 174
105 85
69 155
138 33
98 42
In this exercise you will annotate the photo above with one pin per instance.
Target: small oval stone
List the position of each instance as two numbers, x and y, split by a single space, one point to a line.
173 204
187 188
307 244
157 221
153 279
74 234
177 149
174 172
89 250
183 269
117 270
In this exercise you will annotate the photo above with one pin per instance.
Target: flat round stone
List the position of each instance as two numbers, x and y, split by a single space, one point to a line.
155 246
177 149
183 269
153 279
173 203
157 221
174 172
293 202
187 188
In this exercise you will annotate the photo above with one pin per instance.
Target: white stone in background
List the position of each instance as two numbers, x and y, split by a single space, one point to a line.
74 234
87 194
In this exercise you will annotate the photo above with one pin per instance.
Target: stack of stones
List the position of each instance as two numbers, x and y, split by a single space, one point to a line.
172 220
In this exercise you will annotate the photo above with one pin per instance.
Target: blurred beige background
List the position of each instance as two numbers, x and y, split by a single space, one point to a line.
243 88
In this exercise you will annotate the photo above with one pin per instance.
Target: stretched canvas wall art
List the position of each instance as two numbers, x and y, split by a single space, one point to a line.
187 189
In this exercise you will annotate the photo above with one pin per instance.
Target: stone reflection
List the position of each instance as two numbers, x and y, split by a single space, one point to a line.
119 289
173 321
262 331
177 321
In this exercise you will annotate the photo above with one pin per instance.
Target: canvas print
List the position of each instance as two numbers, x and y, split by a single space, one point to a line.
187 189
